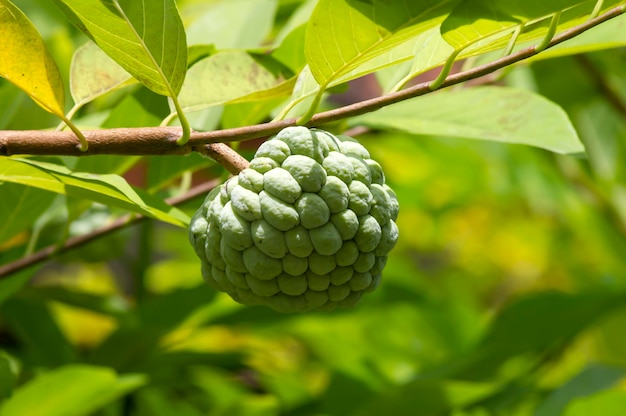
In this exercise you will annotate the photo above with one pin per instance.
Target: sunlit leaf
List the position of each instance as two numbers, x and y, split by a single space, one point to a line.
606 403
146 38
482 22
611 34
342 34
25 61
431 48
229 76
231 24
94 73
484 113
111 190
73 390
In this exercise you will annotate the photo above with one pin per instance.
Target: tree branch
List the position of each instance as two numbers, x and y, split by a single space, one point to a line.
74 242
162 140
597 77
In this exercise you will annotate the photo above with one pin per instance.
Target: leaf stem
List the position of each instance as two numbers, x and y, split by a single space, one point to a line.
184 123
312 108
445 71
596 9
513 40
554 23
84 144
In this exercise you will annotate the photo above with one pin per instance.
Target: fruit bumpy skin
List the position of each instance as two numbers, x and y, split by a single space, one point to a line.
307 226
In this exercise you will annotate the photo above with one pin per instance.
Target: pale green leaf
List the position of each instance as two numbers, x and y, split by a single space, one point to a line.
229 76
73 390
93 73
146 38
229 24
298 18
484 113
611 34
25 61
432 50
111 190
344 34
606 403
488 25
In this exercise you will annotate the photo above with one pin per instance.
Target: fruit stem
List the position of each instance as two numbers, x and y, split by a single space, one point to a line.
225 156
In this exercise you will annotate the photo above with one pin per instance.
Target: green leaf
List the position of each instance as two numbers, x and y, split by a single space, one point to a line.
146 38
73 390
591 380
228 76
26 204
485 113
25 61
111 190
93 73
343 34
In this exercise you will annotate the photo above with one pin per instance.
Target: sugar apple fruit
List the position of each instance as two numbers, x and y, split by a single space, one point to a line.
307 226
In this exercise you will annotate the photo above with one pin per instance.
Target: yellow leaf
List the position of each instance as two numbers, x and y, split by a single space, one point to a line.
25 61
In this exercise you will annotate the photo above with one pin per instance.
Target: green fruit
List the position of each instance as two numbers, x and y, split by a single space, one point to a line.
307 226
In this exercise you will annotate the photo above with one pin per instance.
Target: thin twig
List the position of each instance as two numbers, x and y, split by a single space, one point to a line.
162 140
74 242
602 84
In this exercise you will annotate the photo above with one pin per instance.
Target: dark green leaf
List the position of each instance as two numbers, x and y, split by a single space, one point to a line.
8 375
26 204
38 332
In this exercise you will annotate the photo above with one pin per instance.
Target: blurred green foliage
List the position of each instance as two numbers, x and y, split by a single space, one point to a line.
506 294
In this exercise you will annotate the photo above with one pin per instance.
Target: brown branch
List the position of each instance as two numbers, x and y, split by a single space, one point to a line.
225 156
162 140
74 242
